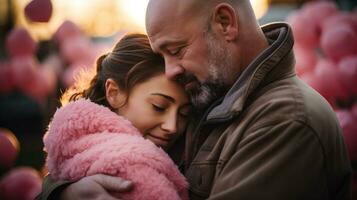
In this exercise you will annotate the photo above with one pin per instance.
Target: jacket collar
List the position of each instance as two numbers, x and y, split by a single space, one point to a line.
275 62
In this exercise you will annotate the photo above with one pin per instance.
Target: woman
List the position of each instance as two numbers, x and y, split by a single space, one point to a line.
112 126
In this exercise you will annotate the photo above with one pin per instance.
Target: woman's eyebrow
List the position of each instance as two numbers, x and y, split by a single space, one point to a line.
165 96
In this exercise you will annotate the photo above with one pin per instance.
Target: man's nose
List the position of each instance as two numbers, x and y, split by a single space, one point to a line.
172 68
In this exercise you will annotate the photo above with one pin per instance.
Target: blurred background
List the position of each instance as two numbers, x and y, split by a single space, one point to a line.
44 43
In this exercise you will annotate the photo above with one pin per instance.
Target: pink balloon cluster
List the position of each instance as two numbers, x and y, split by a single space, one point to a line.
326 49
21 183
76 50
348 120
326 58
9 148
22 70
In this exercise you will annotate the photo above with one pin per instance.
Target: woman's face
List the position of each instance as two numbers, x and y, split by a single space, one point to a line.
158 108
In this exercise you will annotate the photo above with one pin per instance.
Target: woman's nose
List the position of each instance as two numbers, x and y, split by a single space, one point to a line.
170 124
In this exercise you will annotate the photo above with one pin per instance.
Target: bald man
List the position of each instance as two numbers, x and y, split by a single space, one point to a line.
259 132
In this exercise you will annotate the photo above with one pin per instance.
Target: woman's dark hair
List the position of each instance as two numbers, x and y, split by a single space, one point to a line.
132 61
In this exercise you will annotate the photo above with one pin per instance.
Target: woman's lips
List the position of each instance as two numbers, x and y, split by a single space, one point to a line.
162 142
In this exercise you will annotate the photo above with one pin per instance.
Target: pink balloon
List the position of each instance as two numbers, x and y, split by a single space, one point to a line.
305 30
67 30
39 10
319 11
310 79
330 85
50 79
7 82
54 63
23 183
76 49
306 59
20 43
349 127
9 147
92 55
349 19
102 48
79 65
338 42
69 75
24 71
348 73
37 89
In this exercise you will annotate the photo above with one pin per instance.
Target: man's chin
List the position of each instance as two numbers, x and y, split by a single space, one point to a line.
200 97
204 94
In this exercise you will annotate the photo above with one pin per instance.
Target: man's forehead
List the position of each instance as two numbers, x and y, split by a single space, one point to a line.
155 18
167 21
158 12
161 20
158 8
162 38
156 24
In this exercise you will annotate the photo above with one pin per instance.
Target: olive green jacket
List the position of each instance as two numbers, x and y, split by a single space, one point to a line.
271 137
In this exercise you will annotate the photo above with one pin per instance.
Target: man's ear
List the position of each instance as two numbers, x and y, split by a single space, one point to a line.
114 95
225 20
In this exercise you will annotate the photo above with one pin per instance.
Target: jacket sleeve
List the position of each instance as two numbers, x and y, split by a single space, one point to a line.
151 184
281 161
51 189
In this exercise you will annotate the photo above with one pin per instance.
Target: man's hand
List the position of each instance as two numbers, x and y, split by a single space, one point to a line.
96 187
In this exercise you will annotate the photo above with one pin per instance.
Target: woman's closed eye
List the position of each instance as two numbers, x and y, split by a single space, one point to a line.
158 108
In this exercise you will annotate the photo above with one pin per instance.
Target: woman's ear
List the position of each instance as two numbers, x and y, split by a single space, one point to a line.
225 19
114 95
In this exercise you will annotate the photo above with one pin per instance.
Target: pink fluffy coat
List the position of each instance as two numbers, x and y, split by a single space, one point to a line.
85 138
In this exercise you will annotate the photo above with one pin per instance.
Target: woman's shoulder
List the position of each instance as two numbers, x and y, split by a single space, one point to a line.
83 117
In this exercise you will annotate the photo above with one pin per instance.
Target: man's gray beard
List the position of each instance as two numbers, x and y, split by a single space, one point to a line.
215 86
205 95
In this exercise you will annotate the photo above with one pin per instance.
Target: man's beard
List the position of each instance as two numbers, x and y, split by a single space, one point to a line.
202 96
215 86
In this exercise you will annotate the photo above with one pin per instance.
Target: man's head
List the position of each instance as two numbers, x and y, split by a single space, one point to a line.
206 43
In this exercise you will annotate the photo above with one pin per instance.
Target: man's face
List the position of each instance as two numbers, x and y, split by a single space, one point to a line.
194 57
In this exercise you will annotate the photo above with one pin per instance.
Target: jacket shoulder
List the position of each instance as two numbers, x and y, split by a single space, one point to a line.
292 99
